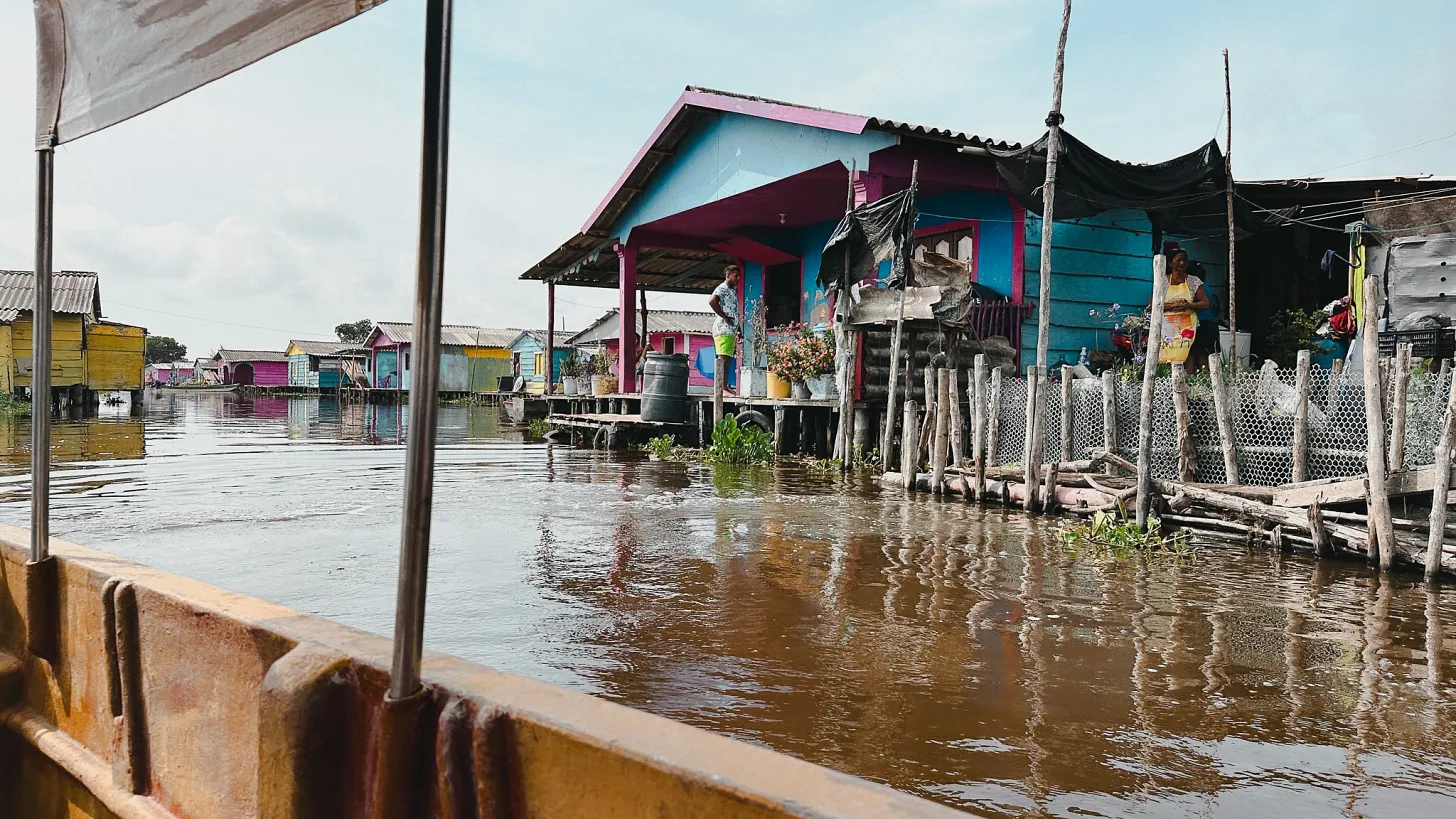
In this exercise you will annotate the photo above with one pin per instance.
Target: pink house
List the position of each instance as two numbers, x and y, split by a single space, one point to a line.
256 368
668 331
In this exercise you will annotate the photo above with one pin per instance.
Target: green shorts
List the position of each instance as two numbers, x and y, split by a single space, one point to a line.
723 344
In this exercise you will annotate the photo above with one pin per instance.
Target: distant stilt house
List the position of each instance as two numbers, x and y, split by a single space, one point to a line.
322 365
252 368
172 372
669 331
89 354
528 357
472 359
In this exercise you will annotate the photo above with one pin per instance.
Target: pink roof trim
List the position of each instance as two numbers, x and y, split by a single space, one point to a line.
765 109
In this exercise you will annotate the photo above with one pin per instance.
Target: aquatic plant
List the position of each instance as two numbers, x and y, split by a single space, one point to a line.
734 444
1115 538
538 427
663 447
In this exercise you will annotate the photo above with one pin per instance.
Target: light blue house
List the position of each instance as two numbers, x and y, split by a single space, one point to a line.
728 178
528 356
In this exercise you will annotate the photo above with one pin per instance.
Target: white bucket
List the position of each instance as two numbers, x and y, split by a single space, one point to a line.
1225 344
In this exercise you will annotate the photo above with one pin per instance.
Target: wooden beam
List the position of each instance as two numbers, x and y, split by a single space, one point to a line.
1348 490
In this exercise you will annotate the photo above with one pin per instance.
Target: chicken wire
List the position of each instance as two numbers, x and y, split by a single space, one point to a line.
1261 403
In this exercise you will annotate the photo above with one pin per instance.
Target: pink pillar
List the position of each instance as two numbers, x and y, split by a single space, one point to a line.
627 318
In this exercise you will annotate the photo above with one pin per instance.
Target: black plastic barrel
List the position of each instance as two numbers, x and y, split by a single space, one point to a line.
665 388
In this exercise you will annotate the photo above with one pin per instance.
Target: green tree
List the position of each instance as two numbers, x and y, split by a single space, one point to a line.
354 332
162 349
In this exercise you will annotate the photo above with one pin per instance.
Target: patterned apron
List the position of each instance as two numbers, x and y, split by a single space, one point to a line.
1178 328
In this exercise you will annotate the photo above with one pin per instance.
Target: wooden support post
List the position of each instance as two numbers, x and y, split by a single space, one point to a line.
720 380
859 444
1381 528
806 430
927 427
1228 172
781 430
1145 406
908 450
550 337
1400 385
1109 414
1332 388
1223 414
1048 195
1187 455
1049 489
1068 418
942 431
887 436
1439 506
957 426
993 417
1030 455
1299 454
1318 533
1445 367
978 427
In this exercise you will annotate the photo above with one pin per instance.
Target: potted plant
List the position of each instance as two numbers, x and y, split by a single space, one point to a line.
571 373
603 382
786 365
753 376
817 349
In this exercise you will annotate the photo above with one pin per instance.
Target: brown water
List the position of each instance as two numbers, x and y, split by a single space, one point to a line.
941 649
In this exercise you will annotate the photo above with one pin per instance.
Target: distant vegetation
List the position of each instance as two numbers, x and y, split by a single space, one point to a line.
12 406
354 332
164 350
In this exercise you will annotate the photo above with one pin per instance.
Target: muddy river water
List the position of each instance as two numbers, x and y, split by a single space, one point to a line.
948 651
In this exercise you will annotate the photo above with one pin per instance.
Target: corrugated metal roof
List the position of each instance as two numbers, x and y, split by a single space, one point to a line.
540 336
72 291
236 356
327 348
453 335
658 321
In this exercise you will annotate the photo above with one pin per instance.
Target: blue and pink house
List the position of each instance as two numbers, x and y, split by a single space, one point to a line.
726 177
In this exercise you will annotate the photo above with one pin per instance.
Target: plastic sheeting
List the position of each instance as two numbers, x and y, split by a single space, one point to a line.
1184 195
1421 278
873 233
100 62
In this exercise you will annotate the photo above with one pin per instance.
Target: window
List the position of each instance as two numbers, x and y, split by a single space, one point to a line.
313 363
958 243
540 364
781 286
669 345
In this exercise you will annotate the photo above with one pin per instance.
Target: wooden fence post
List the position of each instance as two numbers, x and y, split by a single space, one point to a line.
1381 527
1400 386
1145 406
1332 389
1029 453
1109 415
1224 417
1443 485
927 427
942 431
993 417
908 448
1187 455
1299 464
1067 417
978 427
957 426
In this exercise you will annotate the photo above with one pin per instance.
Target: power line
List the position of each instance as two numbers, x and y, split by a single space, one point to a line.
1387 153
306 334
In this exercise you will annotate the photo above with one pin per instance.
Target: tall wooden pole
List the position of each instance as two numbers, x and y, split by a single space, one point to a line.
1048 195
1443 484
846 351
887 437
1145 405
1228 172
550 335
1382 530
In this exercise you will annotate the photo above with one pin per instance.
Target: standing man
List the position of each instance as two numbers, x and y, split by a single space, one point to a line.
725 331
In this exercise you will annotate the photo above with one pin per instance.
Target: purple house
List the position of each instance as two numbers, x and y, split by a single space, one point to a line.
256 368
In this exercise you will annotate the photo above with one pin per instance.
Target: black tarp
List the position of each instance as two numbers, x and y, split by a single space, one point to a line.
873 232
1185 195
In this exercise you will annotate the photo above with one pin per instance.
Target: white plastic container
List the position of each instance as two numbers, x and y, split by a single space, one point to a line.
1242 350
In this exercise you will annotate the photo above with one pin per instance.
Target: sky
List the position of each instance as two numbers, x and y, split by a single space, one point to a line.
281 200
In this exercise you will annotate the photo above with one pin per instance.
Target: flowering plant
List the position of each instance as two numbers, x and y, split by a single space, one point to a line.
801 353
1120 320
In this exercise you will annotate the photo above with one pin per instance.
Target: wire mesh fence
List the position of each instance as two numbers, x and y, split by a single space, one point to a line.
1262 405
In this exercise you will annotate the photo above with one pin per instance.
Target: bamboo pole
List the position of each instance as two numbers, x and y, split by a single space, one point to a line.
1400 387
957 425
887 436
942 431
1381 529
1145 406
1049 194
1224 416
993 416
1109 414
1028 447
1228 172
1299 453
1439 508
1187 456
978 426
1067 417
908 450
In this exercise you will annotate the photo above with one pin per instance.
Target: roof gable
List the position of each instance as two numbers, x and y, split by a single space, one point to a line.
451 335
72 291
323 348
250 356
692 322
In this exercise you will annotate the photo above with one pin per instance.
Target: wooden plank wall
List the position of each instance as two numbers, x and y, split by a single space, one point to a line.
114 357
68 362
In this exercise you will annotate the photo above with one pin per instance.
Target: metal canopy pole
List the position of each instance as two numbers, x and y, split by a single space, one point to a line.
40 362
419 464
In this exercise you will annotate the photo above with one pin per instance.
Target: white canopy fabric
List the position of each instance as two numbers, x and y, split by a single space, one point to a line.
100 62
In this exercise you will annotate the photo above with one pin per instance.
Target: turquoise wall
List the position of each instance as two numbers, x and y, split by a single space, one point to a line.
1098 262
997 231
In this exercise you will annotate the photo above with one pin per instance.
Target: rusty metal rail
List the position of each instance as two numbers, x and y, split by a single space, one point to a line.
171 698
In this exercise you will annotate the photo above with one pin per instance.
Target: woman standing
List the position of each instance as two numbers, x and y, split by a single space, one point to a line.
1184 299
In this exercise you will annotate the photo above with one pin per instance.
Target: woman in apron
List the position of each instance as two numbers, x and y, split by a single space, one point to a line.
1184 298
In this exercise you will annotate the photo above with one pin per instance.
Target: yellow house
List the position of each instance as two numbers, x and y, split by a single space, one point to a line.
87 352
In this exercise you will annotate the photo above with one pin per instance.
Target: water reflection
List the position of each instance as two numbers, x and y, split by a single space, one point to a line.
943 649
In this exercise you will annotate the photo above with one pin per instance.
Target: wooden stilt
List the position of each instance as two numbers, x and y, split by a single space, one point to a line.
1067 413
887 435
908 449
993 417
927 426
1376 499
1049 489
957 426
978 427
1224 416
720 380
942 431
1028 449
1400 385
1109 414
1187 455
1299 453
1439 507
1145 407
1332 389
781 431
1317 531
